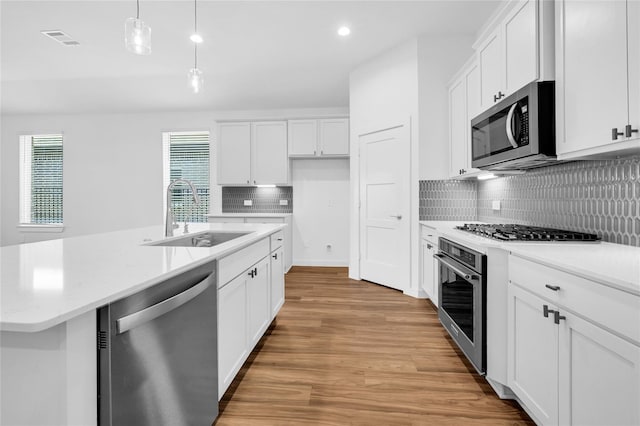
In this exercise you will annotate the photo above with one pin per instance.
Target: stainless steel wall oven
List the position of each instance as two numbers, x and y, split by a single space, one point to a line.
463 289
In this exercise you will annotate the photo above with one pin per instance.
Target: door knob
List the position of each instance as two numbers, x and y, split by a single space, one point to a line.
397 216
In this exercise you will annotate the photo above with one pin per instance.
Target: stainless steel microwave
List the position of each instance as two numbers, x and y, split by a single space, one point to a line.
517 133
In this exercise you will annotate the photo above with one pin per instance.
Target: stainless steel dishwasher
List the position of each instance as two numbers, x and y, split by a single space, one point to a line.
157 356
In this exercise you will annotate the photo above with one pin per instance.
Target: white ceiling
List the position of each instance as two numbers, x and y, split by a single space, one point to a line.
256 54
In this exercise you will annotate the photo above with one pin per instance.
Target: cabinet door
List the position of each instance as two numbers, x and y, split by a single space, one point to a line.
491 65
457 128
269 160
303 138
232 331
599 376
429 271
234 153
521 46
633 29
591 59
533 354
258 300
334 137
277 281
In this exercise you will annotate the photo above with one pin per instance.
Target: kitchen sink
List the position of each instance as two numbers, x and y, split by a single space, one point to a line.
201 239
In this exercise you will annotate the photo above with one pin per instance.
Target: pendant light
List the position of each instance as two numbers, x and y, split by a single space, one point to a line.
195 75
137 34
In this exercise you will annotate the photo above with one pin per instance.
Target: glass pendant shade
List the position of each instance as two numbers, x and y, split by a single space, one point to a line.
195 80
137 36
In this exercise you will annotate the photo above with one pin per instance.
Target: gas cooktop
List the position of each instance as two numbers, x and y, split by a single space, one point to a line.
512 232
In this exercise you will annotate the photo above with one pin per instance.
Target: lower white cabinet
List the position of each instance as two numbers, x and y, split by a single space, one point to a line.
247 281
430 267
277 280
563 365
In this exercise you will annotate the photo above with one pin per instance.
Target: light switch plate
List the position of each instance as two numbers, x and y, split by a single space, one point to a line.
495 205
248 202
284 202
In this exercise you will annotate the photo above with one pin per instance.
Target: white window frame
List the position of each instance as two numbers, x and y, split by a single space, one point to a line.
166 171
26 164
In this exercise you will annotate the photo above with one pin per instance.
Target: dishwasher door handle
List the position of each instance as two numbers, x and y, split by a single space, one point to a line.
130 321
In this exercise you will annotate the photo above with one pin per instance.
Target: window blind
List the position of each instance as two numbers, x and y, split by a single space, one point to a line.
42 162
189 159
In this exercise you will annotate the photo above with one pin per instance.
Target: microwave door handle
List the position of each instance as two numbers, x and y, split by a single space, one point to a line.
509 127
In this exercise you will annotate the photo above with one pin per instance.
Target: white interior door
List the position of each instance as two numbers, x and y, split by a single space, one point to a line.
385 207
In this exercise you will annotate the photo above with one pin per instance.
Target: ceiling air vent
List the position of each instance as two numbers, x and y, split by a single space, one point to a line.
61 37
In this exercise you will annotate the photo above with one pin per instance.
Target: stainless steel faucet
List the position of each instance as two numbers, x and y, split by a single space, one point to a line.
170 223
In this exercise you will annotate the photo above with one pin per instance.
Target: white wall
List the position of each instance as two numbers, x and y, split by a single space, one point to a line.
112 165
320 212
408 82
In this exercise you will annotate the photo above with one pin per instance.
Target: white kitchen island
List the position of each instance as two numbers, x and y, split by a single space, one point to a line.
49 293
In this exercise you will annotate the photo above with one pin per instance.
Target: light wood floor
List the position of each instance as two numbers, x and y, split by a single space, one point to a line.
344 352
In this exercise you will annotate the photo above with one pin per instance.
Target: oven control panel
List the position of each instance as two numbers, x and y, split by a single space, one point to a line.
465 255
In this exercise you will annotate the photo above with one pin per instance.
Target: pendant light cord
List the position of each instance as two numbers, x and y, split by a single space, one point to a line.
137 9
195 31
195 54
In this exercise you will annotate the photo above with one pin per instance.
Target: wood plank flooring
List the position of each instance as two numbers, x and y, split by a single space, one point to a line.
345 352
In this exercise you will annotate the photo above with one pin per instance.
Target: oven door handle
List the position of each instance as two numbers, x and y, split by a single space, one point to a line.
469 277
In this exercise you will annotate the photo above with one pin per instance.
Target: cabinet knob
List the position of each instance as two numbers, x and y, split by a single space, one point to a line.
499 96
275 256
557 317
248 181
615 134
552 287
628 131
251 274
429 246
546 311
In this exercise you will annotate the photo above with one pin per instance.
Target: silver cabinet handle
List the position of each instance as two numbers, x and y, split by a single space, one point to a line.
130 321
615 133
397 216
552 287
458 271
512 140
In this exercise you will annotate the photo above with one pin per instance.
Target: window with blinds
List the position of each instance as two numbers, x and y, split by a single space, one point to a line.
186 156
41 193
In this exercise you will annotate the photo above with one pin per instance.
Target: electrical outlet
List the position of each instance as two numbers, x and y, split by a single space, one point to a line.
248 202
495 205
284 202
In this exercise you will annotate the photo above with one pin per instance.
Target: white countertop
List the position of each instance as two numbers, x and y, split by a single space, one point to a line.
615 265
250 215
44 284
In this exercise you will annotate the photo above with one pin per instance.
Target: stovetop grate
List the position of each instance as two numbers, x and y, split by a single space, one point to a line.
513 232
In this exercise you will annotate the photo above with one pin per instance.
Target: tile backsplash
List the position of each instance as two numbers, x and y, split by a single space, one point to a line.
448 199
264 200
600 197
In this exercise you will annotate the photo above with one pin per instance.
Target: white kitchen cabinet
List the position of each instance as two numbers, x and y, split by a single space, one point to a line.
232 331
464 104
430 267
579 364
598 78
317 138
515 50
277 276
253 153
258 300
257 218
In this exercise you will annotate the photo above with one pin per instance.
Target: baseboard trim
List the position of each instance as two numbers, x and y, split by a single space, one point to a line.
418 293
336 263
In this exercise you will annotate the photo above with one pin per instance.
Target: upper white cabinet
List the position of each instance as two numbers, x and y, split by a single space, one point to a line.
253 153
598 78
516 49
319 138
464 104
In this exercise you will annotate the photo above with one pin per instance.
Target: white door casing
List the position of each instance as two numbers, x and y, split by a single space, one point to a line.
385 207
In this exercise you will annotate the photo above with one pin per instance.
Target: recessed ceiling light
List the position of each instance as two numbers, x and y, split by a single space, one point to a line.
196 38
344 31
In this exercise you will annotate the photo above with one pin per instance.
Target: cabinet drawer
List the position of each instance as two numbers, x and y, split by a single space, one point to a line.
234 264
429 234
276 240
614 309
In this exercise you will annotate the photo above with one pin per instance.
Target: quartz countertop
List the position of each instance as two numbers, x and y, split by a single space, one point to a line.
614 265
46 283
